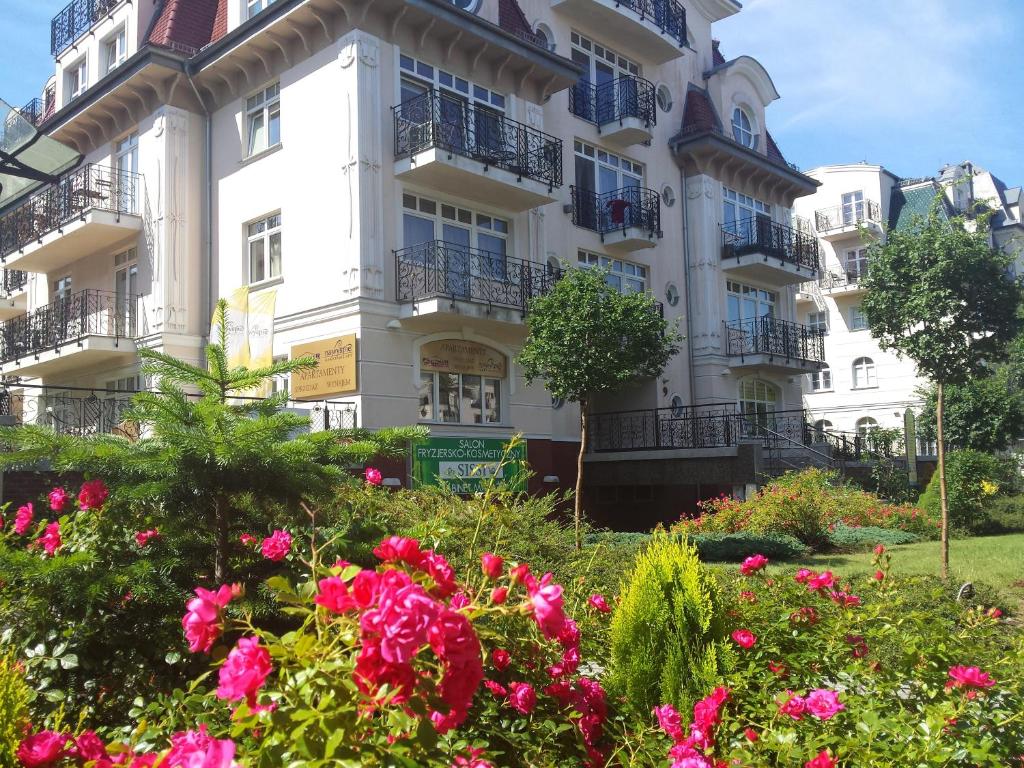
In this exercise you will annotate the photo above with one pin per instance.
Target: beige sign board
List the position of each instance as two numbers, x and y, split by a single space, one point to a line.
335 374
456 356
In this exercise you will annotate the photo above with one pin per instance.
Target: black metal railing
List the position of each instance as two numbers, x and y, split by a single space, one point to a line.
614 101
331 414
667 15
438 120
38 110
850 215
662 429
92 187
617 210
67 320
69 413
761 235
776 338
12 281
75 20
439 269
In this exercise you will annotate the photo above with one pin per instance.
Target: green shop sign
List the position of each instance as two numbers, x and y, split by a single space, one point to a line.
465 464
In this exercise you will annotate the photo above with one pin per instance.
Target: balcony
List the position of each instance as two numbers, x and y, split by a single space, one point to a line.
438 279
461 149
38 111
659 429
622 109
651 29
760 249
627 219
68 412
844 220
13 299
75 20
82 329
767 342
90 210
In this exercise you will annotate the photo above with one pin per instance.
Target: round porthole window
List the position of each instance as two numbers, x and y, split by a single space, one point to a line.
668 196
664 98
671 294
677 406
467 5
557 402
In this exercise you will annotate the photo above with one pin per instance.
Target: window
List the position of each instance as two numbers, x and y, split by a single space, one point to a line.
467 5
416 74
757 400
596 96
818 321
664 98
853 207
280 383
742 129
115 51
822 427
865 426
459 398
858 320
598 172
624 276
252 7
740 212
126 289
76 80
263 119
62 288
821 381
748 303
126 154
265 249
864 373
125 384
856 264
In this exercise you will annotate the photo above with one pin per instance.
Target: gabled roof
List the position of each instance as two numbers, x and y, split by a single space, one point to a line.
189 25
512 19
698 111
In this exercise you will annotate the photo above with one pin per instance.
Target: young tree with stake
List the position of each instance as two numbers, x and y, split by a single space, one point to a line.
940 294
586 338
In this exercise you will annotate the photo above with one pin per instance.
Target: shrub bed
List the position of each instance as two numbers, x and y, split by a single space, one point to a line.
851 538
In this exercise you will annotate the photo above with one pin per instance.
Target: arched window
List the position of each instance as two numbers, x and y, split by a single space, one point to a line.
821 427
821 380
864 373
866 425
742 128
467 5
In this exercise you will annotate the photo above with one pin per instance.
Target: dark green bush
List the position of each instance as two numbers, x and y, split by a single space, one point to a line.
855 539
972 479
734 547
1004 514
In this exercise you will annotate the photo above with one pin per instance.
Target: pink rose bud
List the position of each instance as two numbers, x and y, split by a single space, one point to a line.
499 595
491 565
373 476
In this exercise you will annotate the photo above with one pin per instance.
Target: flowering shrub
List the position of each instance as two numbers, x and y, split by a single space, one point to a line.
973 478
807 505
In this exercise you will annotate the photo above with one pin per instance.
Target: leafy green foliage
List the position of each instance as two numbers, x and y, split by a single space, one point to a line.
14 696
1004 514
972 478
858 538
984 413
734 547
667 635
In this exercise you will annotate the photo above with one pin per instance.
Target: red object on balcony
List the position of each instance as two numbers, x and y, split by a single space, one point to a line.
617 210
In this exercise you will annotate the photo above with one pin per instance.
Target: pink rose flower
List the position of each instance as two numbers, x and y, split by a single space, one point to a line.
50 540
879 549
244 671
753 564
58 499
89 747
23 519
197 749
968 677
597 602
522 697
93 494
472 759
546 600
823 580
879 576
42 749
499 595
277 546
501 659
823 760
400 549
670 721
744 638
751 735
142 538
491 565
373 476
499 690
802 576
247 539
203 617
520 574
794 706
823 703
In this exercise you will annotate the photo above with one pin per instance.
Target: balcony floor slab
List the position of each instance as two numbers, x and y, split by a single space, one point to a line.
627 131
79 354
765 268
779 363
438 314
95 231
13 305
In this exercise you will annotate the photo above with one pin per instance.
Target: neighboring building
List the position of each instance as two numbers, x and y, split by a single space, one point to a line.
406 176
863 387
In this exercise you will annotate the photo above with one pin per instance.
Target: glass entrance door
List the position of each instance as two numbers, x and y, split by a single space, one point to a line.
126 288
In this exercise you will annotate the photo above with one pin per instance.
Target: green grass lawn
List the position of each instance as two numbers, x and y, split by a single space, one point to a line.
994 560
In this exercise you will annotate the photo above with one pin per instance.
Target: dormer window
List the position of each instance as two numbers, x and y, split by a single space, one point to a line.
467 5
742 129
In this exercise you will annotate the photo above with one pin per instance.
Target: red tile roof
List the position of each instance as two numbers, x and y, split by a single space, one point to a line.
189 25
698 112
512 19
716 55
774 153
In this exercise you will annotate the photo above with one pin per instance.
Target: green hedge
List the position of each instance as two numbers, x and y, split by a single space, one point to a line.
734 547
858 538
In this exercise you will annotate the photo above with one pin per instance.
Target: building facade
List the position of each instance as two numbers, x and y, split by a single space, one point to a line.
862 387
387 184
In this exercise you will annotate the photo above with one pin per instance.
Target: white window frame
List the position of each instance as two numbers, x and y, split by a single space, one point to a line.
856 264
265 105
433 417
865 425
127 148
853 207
624 276
62 287
597 52
743 131
623 167
858 320
417 70
271 227
478 222
739 297
251 7
115 50
865 373
821 381
281 383
739 207
818 321
78 73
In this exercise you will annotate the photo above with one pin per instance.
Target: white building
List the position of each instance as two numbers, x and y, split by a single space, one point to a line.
863 387
409 174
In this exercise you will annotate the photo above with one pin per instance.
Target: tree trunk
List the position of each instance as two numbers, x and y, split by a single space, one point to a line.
578 506
220 564
942 482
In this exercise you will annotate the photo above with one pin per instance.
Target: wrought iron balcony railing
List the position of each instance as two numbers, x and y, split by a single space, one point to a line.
614 101
437 120
662 428
668 15
850 215
439 269
12 281
778 338
38 111
69 413
92 187
67 320
758 234
620 209
75 20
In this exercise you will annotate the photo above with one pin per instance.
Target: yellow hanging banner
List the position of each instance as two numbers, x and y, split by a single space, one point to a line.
237 341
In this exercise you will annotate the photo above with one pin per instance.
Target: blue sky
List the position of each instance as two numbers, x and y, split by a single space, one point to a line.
910 84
